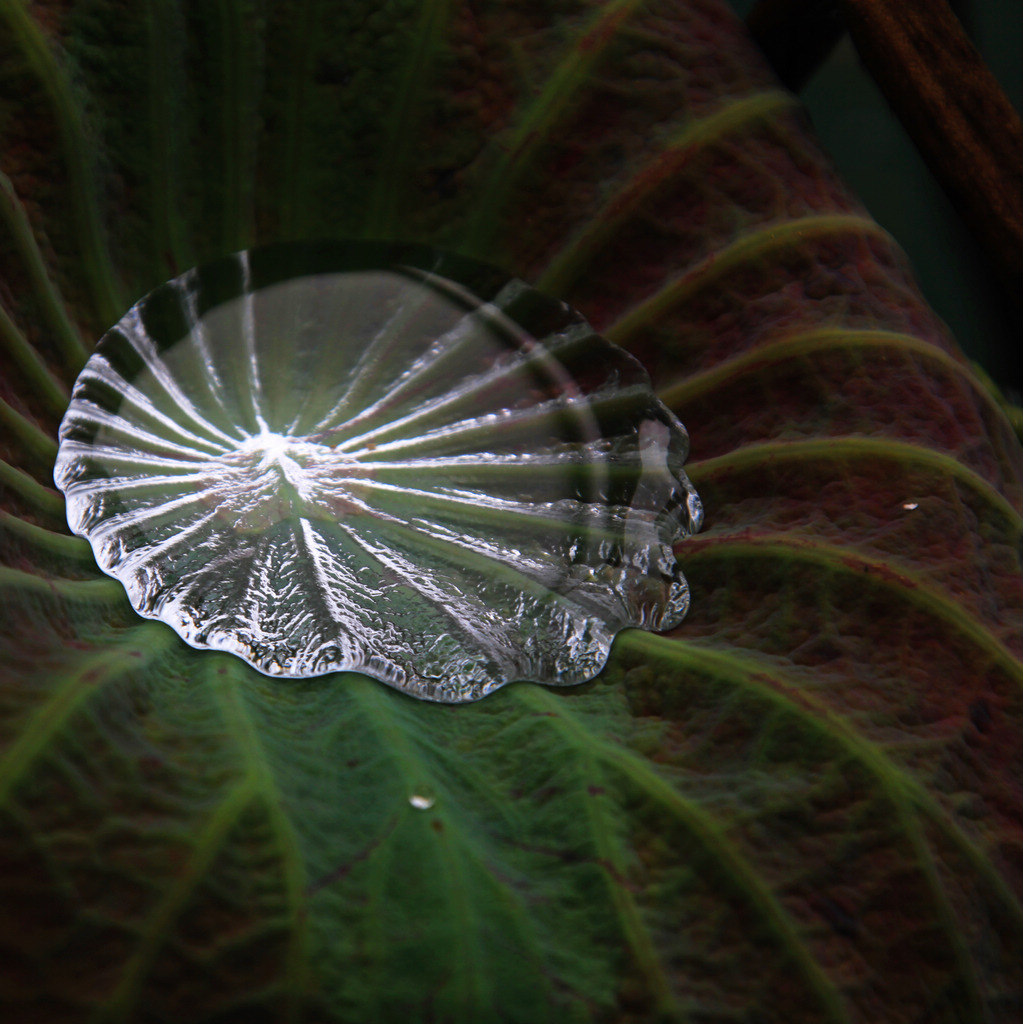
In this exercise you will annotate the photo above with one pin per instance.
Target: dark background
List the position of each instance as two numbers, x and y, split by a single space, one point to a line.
879 163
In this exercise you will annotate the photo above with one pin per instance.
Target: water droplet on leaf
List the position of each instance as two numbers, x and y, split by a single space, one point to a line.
383 459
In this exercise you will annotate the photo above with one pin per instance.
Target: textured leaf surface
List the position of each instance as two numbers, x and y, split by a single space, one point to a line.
804 805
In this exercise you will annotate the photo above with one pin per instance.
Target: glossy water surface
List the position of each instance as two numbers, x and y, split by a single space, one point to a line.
381 459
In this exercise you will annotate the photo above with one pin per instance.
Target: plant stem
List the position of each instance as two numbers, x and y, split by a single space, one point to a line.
956 113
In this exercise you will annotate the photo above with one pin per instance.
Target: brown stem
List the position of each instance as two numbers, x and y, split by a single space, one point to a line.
956 113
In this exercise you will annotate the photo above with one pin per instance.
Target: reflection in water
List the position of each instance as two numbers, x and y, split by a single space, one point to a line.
381 459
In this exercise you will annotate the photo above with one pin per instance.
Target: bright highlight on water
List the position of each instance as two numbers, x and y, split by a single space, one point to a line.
382 459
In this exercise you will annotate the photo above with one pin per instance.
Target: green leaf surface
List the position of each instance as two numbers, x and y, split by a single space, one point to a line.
805 804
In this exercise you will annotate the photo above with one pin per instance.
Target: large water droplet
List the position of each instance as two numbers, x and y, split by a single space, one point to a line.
379 458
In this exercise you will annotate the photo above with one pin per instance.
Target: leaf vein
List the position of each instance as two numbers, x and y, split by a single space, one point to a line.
746 249
91 238
881 572
755 456
228 684
654 175
135 650
707 832
902 788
